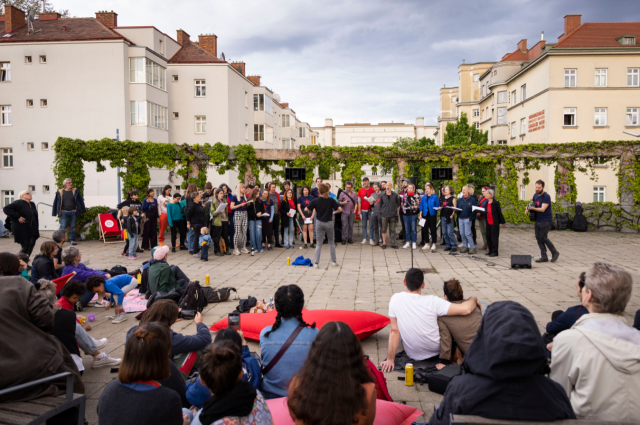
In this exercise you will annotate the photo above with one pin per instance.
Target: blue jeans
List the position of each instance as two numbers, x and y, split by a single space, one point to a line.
366 222
447 232
64 217
191 238
288 234
255 234
464 225
3 230
204 252
410 230
84 340
133 245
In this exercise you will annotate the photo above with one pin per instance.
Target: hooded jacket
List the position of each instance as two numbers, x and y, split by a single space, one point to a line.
597 362
505 369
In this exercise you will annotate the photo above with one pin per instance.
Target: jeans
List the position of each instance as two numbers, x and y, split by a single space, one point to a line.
85 342
376 227
133 244
288 234
542 236
191 240
325 228
464 224
389 225
3 230
71 217
366 222
255 234
447 232
410 230
204 252
347 226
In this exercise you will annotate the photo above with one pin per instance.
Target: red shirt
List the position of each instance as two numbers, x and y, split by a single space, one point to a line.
64 303
364 204
292 204
489 214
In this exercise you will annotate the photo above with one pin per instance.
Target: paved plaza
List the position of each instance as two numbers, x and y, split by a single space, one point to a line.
366 279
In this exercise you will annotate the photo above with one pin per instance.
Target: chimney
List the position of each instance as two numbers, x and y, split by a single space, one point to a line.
255 79
571 22
209 42
13 19
285 104
522 45
239 66
109 19
183 37
542 36
47 16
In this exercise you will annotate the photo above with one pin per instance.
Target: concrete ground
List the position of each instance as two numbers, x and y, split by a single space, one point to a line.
366 279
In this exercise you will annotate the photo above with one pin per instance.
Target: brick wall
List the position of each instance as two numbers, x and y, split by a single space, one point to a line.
182 37
255 79
209 42
13 19
109 19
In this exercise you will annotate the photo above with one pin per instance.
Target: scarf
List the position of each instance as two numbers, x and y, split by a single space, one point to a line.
239 402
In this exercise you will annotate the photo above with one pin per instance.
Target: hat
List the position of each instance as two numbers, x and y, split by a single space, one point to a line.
366 178
485 188
160 252
406 180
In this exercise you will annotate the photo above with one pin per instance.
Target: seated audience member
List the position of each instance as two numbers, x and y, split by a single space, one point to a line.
414 318
636 321
71 293
505 370
563 320
289 301
72 257
334 386
59 237
458 329
160 276
233 400
27 351
597 361
24 265
43 266
137 396
117 286
197 393
67 329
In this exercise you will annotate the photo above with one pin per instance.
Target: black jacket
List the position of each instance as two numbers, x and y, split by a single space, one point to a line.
22 231
496 213
133 225
42 268
253 208
129 202
283 209
506 370
195 214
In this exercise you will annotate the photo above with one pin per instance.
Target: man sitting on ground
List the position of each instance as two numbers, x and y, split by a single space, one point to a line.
161 277
597 361
415 318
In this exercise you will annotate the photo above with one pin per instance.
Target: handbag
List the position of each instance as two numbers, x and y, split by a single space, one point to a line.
439 381
282 350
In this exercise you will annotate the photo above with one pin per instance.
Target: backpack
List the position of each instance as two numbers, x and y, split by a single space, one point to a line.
562 221
382 393
245 305
193 297
580 223
218 294
223 246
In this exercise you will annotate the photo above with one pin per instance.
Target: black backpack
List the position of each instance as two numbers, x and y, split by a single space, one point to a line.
216 295
562 221
245 305
193 298
580 223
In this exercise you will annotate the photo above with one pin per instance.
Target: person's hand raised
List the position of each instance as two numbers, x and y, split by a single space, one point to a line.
198 318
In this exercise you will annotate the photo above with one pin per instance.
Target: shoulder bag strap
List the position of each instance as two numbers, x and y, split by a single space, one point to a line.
282 350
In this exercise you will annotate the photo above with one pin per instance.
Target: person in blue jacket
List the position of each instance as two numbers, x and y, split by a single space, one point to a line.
117 286
197 393
465 219
563 320
428 212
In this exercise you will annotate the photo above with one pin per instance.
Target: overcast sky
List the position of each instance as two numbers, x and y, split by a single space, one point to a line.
360 61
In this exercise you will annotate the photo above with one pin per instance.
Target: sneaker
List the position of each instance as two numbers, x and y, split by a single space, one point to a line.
454 249
173 249
102 304
372 242
120 318
79 306
183 248
313 245
384 247
315 266
464 250
395 247
139 250
124 254
196 255
364 241
104 360
425 247
406 245
493 254
472 251
542 260
433 247
100 343
414 245
135 257
334 264
236 252
74 243
344 242
447 249
270 248
305 246
350 240
244 250
555 256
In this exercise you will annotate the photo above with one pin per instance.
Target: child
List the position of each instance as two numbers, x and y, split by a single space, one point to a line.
205 243
177 223
24 265
117 286
72 292
133 231
123 224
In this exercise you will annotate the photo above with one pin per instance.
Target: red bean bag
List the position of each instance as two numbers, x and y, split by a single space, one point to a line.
363 323
387 413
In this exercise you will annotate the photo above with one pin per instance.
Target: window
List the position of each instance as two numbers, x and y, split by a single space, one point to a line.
569 117
43 103
29 103
523 93
601 78
495 73
313 140
476 112
629 41
201 124
523 126
201 88
285 120
176 115
30 146
32 188
600 117
157 116
502 97
161 44
5 72
569 77
632 116
246 99
5 112
43 59
476 125
599 194
482 91
45 188
514 98
27 60
175 78
454 99
143 70
523 192
269 137
502 142
374 173
632 77
258 102
7 197
246 131
155 74
45 146
286 143
7 158
258 132
136 70
476 77
502 116
302 132
513 129
268 105
138 113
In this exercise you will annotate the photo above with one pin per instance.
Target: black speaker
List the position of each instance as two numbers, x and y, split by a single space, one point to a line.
295 174
520 261
442 173
414 181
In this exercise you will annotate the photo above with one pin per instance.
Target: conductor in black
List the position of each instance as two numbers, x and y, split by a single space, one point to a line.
542 207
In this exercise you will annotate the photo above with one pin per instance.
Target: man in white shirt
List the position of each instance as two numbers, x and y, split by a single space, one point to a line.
415 318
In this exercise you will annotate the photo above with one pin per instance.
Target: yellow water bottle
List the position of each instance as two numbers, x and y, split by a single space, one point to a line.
288 261
139 278
408 374
208 280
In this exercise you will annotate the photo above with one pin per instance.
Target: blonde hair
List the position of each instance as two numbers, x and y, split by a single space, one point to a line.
204 230
24 192
125 210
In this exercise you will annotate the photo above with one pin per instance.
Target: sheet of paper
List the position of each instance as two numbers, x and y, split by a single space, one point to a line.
474 208
308 220
454 208
221 208
292 212
422 222
437 208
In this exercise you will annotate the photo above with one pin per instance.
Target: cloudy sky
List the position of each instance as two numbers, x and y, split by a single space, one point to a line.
360 61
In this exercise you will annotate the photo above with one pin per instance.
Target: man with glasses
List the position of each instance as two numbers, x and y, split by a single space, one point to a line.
67 205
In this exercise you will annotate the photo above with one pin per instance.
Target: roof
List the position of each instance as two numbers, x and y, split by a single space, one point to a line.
600 34
51 30
192 53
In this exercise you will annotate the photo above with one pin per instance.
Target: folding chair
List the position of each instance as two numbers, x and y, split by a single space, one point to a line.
110 228
61 281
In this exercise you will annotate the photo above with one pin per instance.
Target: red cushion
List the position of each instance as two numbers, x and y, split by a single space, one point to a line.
387 413
363 323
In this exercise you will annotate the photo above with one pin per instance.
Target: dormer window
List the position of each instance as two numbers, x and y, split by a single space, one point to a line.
627 40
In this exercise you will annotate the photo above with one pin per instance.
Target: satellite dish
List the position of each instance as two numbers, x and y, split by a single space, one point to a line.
31 16
222 54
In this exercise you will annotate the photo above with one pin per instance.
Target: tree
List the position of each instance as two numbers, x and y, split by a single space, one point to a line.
27 5
416 169
409 142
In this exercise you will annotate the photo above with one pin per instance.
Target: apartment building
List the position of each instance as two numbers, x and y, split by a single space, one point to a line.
585 87
89 78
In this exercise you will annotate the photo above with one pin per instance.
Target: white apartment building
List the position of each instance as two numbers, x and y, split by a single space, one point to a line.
88 78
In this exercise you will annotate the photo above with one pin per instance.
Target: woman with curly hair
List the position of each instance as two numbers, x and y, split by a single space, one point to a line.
334 385
289 301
